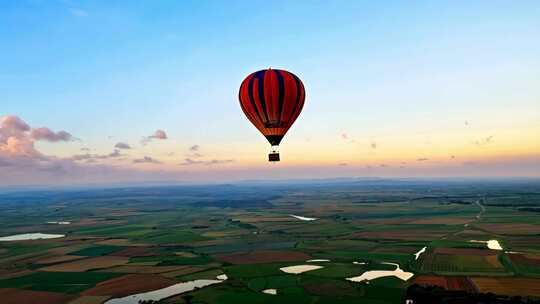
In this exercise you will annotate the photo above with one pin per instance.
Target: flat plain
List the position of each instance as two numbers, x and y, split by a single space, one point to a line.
128 240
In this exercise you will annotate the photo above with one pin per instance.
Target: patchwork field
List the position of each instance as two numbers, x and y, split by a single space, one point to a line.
123 241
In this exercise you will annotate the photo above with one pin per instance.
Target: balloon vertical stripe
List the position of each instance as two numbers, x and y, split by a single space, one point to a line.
272 100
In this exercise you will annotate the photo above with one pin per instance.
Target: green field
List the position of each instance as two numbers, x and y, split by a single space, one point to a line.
68 282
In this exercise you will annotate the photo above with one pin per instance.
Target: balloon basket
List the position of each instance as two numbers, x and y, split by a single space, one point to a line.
273 157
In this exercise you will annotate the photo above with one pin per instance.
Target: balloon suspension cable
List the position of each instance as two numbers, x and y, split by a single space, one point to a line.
274 154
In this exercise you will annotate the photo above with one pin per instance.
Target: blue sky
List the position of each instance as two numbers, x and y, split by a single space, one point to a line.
401 74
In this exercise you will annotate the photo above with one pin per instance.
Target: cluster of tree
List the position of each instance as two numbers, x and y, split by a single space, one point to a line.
435 295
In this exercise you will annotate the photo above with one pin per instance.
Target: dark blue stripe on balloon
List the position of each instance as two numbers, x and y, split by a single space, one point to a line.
260 76
252 99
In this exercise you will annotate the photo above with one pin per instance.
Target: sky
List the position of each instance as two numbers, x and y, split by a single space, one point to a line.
134 91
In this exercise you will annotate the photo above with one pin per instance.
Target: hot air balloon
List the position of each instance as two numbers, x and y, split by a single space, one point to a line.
272 100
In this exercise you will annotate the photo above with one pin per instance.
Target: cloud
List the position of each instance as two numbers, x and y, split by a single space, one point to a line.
219 161
91 158
422 159
146 160
194 152
190 162
484 141
86 149
122 146
17 138
47 134
373 145
14 124
346 137
159 134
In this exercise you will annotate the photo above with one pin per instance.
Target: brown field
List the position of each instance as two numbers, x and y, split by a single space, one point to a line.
23 258
116 242
508 229
447 282
396 249
470 232
87 264
21 296
508 286
400 235
129 284
90 300
181 272
144 269
523 242
493 260
67 249
134 252
59 259
466 251
211 242
529 260
263 257
7 273
443 220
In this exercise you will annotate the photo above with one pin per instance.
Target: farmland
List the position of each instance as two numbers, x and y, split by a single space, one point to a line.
122 241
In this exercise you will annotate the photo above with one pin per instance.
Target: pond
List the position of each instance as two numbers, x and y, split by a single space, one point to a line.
163 293
491 244
303 218
375 274
299 268
30 236
417 255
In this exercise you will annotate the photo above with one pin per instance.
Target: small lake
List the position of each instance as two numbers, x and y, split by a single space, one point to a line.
299 268
318 261
160 294
30 236
375 274
270 291
303 218
417 255
491 244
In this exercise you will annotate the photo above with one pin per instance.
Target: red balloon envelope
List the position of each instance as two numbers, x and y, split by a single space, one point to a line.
272 100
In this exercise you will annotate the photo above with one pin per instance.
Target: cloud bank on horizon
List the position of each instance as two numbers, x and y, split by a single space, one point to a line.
22 163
